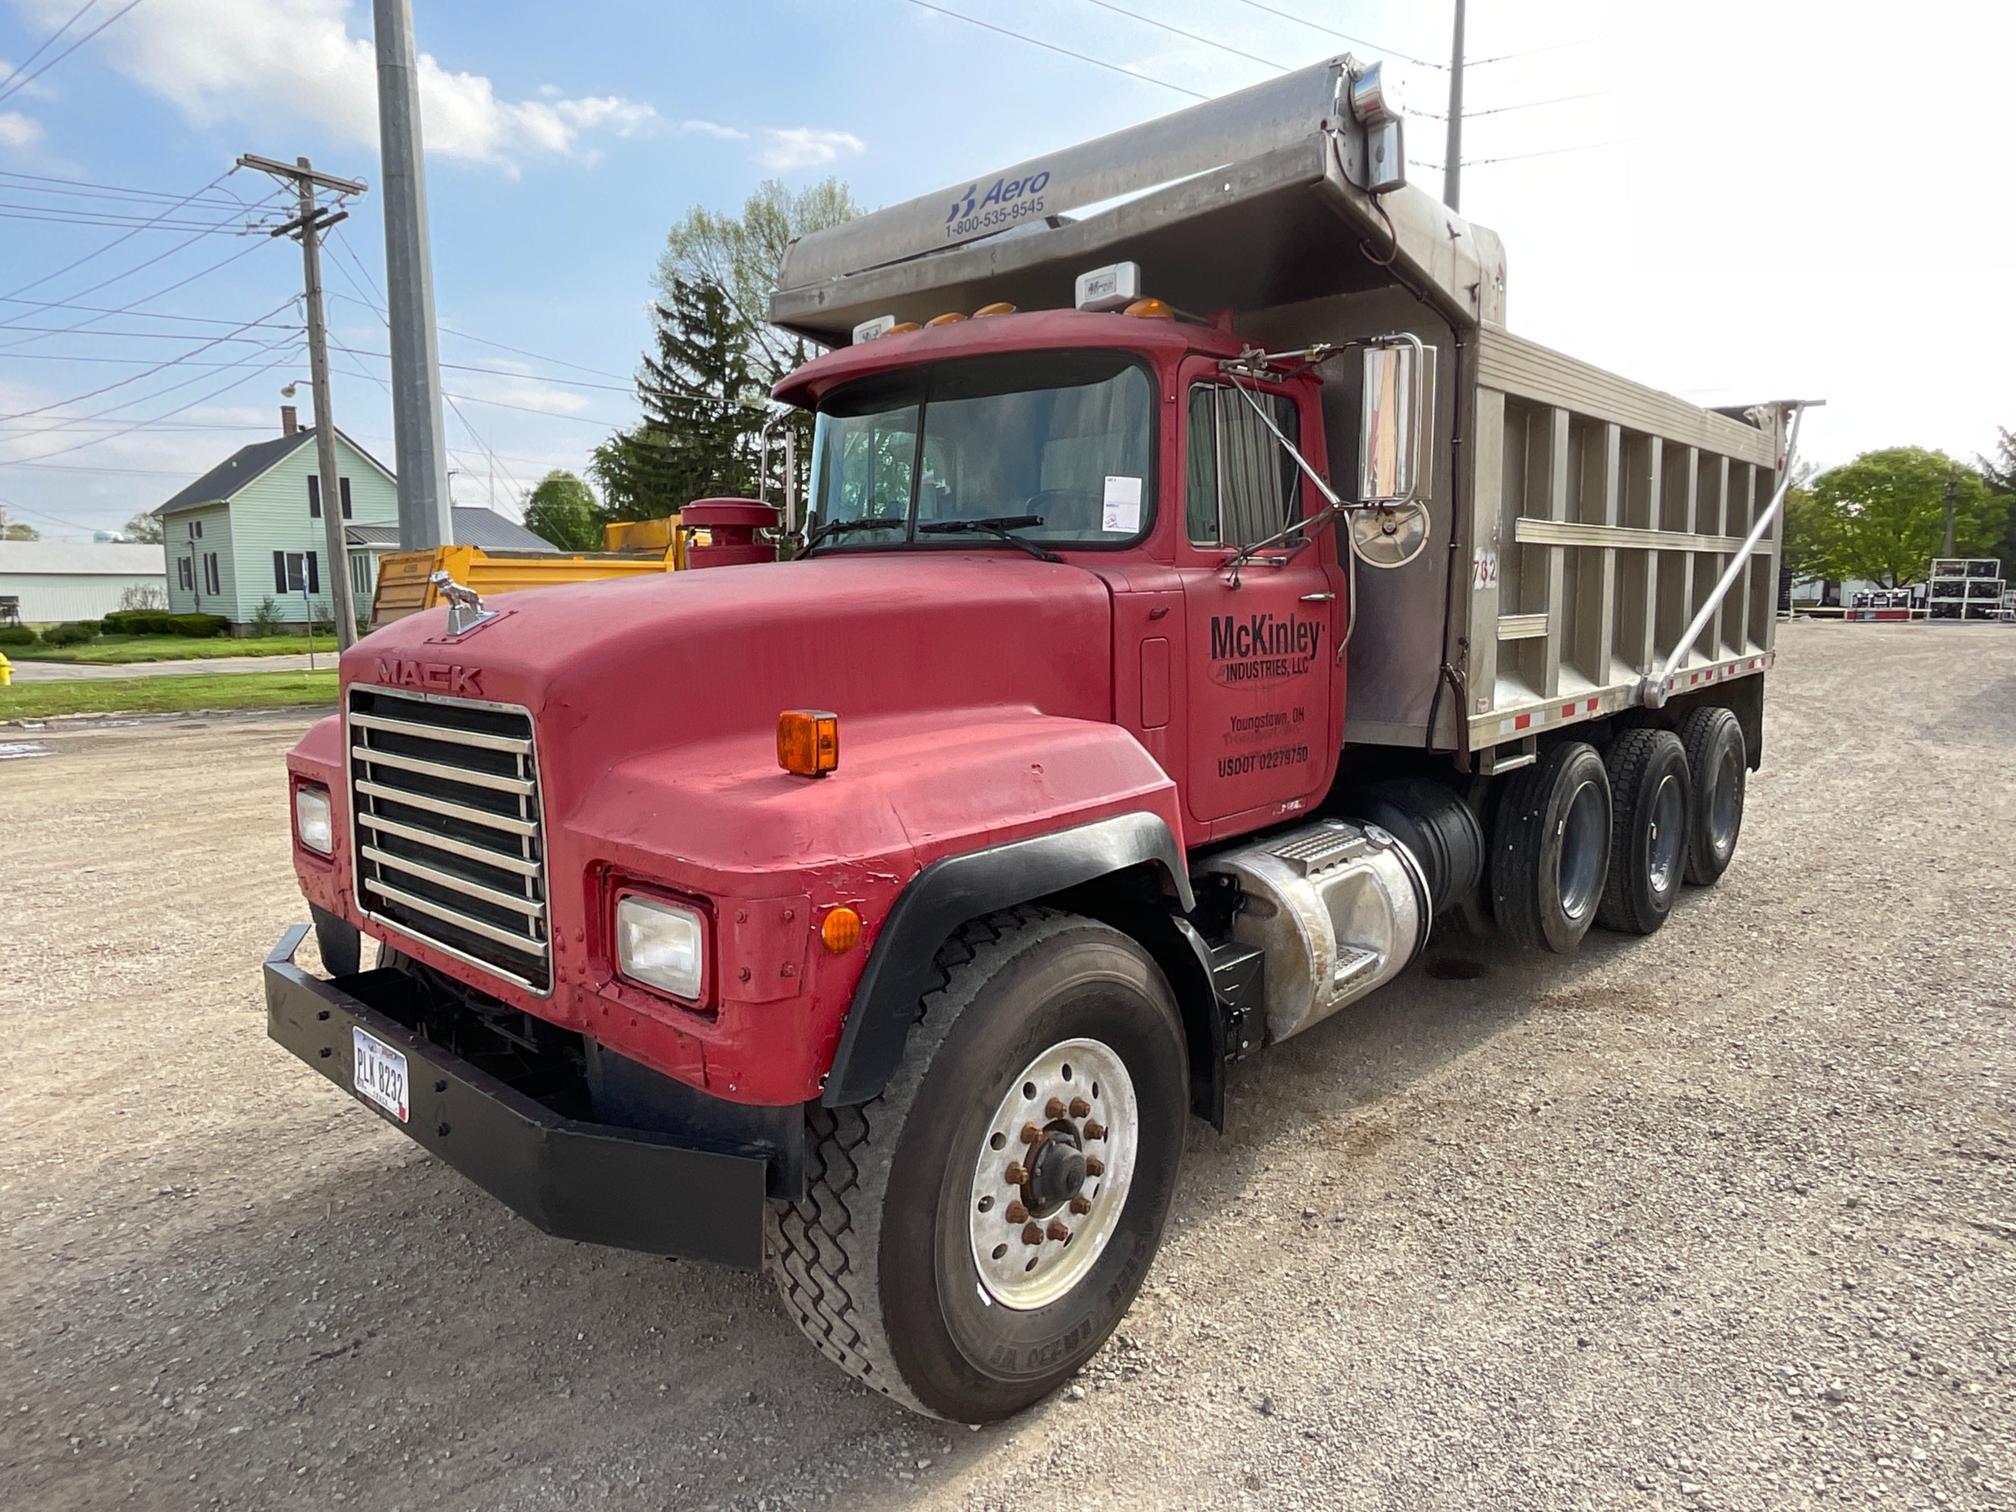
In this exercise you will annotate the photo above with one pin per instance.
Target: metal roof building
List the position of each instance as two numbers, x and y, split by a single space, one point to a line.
62 580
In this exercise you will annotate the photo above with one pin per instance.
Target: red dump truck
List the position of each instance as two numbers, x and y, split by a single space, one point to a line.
1194 602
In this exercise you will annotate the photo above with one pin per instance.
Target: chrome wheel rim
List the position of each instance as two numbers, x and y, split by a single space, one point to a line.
1051 1179
1667 840
1583 843
1724 807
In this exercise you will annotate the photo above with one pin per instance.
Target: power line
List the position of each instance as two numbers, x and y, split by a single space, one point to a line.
1053 47
7 94
156 368
47 42
148 335
64 304
226 200
1223 47
279 361
65 215
1332 31
1515 157
160 293
1471 115
449 330
1550 47
117 240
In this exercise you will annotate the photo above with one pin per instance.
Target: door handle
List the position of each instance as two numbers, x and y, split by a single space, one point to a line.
1319 598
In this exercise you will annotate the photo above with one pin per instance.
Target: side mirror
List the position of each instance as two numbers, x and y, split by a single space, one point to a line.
1396 402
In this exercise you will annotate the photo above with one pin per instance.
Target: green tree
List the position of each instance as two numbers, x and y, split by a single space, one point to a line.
143 527
1882 516
16 531
562 510
743 256
2000 471
696 439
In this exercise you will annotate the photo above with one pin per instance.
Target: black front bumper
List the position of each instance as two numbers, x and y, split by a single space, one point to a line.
631 1188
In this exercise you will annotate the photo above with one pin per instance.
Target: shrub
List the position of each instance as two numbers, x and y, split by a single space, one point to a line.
73 634
266 618
154 622
17 635
143 596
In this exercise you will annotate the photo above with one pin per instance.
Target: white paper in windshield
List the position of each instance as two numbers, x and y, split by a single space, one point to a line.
1123 506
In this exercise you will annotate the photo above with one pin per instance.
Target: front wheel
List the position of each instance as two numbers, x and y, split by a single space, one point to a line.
971 1237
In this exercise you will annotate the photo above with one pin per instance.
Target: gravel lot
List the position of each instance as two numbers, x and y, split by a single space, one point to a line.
1724 1218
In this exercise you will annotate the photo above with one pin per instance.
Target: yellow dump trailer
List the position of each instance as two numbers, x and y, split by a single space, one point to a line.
405 583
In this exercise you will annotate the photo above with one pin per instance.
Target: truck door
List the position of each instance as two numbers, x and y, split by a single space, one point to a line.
1263 674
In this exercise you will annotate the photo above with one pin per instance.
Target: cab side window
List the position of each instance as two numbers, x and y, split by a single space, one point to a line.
1241 485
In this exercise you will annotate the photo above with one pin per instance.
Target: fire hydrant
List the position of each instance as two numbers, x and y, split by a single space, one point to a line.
6 671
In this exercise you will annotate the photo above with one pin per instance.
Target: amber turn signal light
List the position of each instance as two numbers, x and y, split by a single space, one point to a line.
950 317
840 930
808 742
999 307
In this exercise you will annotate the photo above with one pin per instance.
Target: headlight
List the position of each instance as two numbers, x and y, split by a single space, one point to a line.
659 944
311 819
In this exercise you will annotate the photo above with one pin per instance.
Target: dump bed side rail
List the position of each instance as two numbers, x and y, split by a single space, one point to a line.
1603 514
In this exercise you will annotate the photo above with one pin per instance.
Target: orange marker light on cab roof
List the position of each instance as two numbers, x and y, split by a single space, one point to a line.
1150 309
903 328
840 930
950 317
999 307
808 742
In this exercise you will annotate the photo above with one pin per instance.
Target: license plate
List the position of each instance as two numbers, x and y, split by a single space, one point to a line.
378 1072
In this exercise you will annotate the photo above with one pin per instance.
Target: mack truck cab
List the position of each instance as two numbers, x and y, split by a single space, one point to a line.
1193 603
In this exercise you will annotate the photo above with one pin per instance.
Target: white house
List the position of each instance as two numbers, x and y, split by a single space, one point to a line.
43 581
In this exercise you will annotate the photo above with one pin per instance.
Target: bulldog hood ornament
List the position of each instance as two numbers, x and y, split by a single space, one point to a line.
465 605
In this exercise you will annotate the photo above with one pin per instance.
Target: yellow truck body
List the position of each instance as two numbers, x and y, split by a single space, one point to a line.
405 578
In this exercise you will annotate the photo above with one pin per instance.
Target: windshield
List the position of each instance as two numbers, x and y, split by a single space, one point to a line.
1063 436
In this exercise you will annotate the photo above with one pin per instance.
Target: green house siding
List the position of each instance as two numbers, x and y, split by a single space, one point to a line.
270 514
265 520
198 542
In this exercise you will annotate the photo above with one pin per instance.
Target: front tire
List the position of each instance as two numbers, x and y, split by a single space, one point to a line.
883 1264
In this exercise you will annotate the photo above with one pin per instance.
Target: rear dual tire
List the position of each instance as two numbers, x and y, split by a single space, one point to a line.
904 1264
1718 765
1551 849
1649 836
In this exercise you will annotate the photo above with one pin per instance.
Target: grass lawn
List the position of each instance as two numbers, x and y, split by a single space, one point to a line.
167 695
109 650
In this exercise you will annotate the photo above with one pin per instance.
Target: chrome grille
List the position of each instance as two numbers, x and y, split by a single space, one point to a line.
446 828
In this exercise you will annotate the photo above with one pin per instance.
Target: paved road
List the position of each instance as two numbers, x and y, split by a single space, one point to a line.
1723 1218
34 671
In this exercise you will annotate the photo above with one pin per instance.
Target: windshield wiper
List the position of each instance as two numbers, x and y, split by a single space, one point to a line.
843 527
997 526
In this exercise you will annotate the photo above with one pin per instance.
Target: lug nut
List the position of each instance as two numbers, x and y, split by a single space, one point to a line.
1054 1108
1017 1175
1017 1213
1080 1107
1081 1205
1095 1129
1030 1134
1094 1166
1057 1230
1033 1234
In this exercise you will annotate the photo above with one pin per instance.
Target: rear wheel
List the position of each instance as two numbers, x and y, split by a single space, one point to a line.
1648 832
1551 849
1718 765
970 1237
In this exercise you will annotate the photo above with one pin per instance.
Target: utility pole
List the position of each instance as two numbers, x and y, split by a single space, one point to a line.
307 227
1952 498
1452 155
419 444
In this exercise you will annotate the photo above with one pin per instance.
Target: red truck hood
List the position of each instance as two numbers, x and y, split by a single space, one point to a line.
683 660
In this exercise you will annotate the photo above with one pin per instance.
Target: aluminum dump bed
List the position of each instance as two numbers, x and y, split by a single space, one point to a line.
1581 522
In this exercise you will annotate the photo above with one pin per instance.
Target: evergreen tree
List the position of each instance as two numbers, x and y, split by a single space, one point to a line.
701 412
2000 471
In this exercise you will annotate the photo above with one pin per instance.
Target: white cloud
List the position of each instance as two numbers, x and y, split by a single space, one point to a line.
18 131
791 147
273 62
715 130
